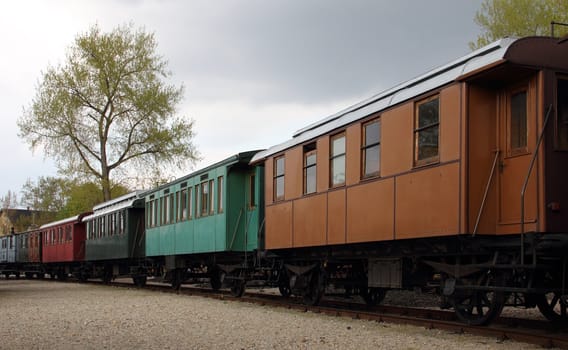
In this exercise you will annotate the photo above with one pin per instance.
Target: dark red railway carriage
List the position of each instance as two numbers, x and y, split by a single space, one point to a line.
63 245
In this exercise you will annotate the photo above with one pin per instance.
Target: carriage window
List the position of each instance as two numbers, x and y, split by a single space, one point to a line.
148 214
121 221
112 224
189 204
518 122
211 196
278 180
252 191
562 115
426 131
155 216
220 194
166 211
183 205
68 236
103 226
196 196
371 148
172 209
204 198
337 162
310 166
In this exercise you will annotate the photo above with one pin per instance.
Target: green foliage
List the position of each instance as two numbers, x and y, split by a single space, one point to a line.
49 194
56 198
82 198
107 110
518 18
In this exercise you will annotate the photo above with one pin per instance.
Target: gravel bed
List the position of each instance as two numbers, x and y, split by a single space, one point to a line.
51 315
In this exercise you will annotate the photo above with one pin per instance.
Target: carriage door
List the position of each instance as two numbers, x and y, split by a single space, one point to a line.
516 139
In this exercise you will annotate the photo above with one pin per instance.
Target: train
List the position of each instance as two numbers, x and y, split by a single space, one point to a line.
454 182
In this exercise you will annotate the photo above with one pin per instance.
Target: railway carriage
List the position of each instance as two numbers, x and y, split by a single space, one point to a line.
29 253
63 245
8 253
455 180
115 243
207 224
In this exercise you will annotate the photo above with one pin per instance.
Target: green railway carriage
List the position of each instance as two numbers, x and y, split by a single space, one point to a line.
211 217
115 237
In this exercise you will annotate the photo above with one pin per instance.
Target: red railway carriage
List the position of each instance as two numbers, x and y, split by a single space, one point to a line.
63 245
457 178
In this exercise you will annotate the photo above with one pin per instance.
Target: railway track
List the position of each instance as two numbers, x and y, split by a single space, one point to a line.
537 332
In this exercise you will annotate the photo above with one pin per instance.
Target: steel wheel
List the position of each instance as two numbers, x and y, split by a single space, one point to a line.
479 307
315 289
216 279
284 284
552 307
177 278
139 280
373 296
238 288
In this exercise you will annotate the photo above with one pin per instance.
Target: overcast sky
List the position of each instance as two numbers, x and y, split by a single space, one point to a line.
254 71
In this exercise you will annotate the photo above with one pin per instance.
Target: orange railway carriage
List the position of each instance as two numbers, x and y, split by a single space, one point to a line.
434 175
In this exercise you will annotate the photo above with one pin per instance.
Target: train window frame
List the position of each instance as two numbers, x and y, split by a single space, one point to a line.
103 226
121 221
420 129
252 192
211 197
279 178
112 224
220 197
561 121
204 202
310 162
68 233
370 144
183 203
189 203
521 148
171 200
337 157
196 201
177 214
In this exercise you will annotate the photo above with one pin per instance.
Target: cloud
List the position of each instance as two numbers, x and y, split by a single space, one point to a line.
254 71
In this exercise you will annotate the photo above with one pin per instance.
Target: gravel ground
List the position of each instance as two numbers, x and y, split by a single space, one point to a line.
50 315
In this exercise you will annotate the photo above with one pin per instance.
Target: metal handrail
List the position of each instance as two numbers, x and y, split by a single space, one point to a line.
486 191
236 229
527 177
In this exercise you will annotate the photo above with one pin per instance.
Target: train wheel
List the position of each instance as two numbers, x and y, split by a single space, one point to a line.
61 275
315 289
553 307
139 280
216 279
479 307
177 279
284 284
107 275
238 288
373 296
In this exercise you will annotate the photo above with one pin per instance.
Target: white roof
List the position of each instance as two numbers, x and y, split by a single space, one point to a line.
431 80
63 221
122 202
